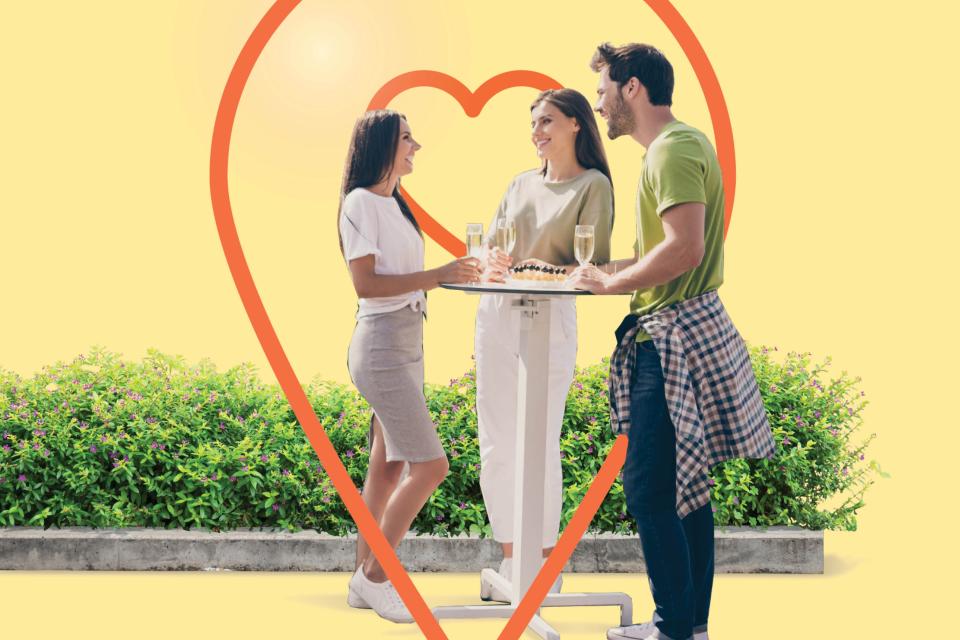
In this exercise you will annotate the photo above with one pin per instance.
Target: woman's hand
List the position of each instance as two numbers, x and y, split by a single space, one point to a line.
460 271
496 264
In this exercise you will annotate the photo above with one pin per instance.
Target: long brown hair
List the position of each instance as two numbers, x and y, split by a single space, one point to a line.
373 148
588 146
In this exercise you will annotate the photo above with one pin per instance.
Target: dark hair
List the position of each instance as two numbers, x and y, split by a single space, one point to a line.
373 148
588 145
641 61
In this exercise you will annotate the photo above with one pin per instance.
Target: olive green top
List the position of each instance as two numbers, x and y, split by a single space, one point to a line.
680 166
545 214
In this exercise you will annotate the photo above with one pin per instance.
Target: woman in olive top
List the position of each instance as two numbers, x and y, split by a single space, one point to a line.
571 187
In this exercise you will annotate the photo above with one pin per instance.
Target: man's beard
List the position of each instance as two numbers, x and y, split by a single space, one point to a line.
621 120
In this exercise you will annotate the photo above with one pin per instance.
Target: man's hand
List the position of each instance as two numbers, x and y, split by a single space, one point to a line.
590 278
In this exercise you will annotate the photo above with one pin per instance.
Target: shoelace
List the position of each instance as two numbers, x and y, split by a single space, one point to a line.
394 597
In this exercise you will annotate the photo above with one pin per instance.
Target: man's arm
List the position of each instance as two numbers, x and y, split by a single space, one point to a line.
680 251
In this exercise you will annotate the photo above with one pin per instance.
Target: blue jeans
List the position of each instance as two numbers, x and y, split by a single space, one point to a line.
678 553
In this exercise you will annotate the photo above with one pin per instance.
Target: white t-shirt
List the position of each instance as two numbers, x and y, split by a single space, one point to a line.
371 224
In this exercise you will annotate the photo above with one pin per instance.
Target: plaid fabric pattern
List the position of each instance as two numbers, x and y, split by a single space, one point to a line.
711 391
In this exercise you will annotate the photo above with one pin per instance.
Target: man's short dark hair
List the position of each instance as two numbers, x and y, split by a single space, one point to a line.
641 61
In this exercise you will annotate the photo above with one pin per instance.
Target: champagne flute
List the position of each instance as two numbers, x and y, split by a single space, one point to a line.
583 243
506 235
475 240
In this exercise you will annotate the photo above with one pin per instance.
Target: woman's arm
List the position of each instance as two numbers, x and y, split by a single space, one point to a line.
369 284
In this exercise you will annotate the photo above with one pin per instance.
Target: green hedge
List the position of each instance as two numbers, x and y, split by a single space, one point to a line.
162 443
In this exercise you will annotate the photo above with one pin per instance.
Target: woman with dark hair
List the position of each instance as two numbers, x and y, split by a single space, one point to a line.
383 247
571 187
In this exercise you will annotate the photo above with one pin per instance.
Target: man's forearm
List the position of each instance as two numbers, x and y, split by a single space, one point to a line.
665 262
616 266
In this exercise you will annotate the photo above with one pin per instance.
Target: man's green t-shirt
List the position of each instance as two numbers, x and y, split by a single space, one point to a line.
680 166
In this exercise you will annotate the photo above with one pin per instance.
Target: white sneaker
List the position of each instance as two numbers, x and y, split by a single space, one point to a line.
354 599
382 597
647 630
506 570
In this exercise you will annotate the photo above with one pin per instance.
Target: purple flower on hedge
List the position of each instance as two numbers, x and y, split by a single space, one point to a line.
103 438
845 472
786 441
93 448
36 446
245 468
736 500
439 517
349 453
861 456
83 425
285 472
213 476
233 478
154 445
463 505
151 420
276 507
711 481
263 458
21 478
6 447
589 449
162 446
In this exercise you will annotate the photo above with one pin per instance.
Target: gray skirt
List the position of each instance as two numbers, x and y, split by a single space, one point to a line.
385 360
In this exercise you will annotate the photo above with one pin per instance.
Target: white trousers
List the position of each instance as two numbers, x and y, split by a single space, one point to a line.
497 355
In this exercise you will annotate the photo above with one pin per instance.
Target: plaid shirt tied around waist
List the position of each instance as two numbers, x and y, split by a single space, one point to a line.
711 392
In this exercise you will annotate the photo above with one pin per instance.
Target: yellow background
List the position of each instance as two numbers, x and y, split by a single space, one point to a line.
842 243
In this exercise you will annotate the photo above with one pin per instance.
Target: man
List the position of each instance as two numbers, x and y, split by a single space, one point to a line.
680 378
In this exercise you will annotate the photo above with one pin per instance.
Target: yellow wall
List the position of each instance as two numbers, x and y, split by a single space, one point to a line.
842 239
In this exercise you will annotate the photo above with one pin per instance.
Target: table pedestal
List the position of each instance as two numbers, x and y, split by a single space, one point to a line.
532 392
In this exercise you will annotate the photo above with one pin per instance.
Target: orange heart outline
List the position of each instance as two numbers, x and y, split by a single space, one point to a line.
472 103
256 312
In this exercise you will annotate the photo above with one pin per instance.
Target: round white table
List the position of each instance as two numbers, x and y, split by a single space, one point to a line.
533 305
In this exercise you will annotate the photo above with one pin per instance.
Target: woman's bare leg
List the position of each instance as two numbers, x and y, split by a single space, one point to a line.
380 483
403 506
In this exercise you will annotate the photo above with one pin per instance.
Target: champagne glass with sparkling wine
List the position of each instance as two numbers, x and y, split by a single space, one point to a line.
475 240
506 235
583 243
